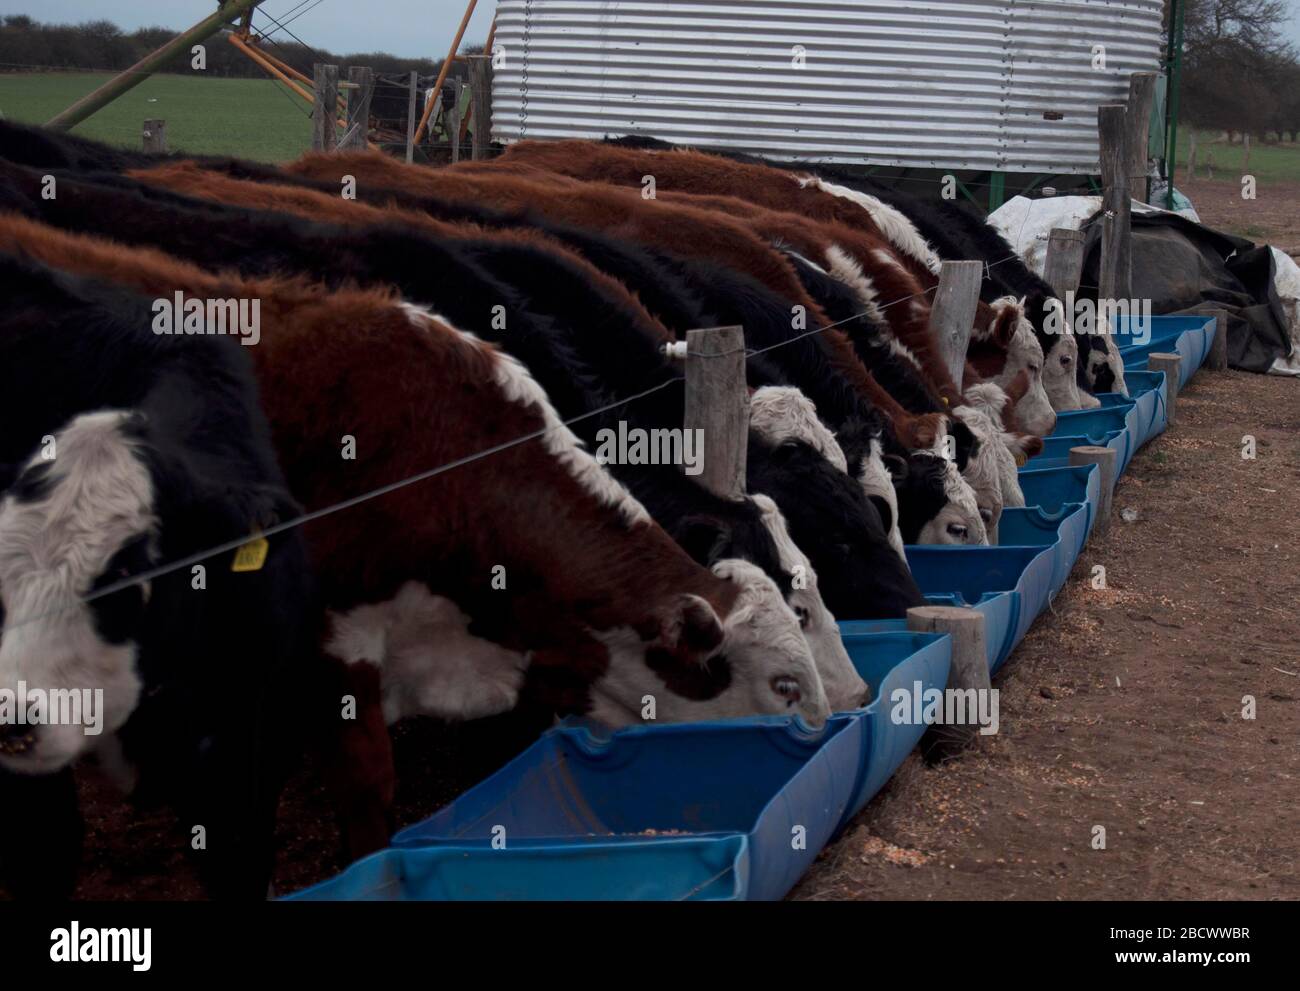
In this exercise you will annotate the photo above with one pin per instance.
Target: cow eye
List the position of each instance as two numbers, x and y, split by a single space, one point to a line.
986 514
958 530
787 688
804 618
1065 360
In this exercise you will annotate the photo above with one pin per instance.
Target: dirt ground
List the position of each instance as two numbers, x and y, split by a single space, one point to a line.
1273 217
1123 707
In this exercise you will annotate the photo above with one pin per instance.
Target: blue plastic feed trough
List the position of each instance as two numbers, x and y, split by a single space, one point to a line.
1052 489
714 868
1000 609
758 777
1065 533
890 662
1056 450
1188 336
1118 414
968 573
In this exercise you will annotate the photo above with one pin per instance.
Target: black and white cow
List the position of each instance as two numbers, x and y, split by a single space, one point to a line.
124 451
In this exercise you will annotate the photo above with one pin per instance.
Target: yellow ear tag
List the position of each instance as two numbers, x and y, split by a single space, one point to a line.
252 555
945 400
1021 460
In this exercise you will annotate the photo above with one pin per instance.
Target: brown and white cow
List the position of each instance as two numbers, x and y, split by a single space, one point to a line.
410 531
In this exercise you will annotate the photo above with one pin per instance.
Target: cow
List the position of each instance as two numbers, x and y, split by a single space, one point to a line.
696 233
926 231
128 466
955 232
407 534
560 314
845 246
543 286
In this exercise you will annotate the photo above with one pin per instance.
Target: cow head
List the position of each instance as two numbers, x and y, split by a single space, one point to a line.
68 527
982 471
1100 367
838 526
1024 353
988 409
764 539
845 688
1060 355
698 666
936 505
96 515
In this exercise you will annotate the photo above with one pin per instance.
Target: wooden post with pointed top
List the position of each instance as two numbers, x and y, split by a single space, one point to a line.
325 84
1116 274
1064 265
717 403
952 314
362 79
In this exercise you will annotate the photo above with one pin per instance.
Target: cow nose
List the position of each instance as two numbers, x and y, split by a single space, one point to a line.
16 739
866 697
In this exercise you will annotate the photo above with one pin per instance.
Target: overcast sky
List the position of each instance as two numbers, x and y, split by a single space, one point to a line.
403 27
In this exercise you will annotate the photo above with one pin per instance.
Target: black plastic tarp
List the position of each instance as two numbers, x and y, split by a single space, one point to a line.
1182 266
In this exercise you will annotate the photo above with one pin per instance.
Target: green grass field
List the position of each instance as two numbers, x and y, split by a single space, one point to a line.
251 118
1268 163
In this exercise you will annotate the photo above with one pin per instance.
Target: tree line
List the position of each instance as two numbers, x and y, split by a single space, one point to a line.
27 45
1239 74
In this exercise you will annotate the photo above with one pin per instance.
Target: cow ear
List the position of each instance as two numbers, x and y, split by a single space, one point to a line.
896 466
1004 325
693 626
702 537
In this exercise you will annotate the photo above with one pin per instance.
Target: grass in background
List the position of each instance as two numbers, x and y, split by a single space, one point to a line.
250 118
1268 162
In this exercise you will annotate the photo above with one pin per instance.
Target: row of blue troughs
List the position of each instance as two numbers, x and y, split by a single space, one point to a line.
738 809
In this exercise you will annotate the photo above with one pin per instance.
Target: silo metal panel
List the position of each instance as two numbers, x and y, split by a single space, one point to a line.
960 84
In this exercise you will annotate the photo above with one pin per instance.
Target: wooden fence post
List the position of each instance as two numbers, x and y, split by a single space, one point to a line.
969 670
155 137
1217 359
358 113
952 314
717 402
1170 364
451 117
1064 266
1107 460
480 88
1141 93
410 118
1116 280
325 84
